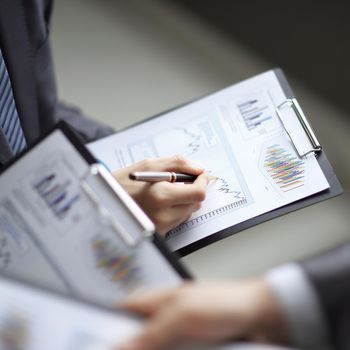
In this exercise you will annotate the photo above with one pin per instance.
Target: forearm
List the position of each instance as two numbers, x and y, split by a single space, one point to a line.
87 129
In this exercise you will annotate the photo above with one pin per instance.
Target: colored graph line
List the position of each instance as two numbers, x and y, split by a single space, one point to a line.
118 266
284 168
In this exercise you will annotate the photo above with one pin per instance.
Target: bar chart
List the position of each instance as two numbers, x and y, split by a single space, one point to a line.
284 168
119 265
58 193
254 112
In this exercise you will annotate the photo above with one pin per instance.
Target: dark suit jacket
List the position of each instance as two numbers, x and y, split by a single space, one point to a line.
330 275
24 41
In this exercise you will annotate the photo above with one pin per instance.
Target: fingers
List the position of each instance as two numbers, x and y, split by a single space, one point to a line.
190 193
175 194
166 204
193 313
175 163
149 303
158 333
171 217
169 205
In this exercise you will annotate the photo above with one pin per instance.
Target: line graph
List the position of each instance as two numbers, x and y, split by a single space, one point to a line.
207 216
178 140
193 143
230 198
201 140
223 186
225 194
284 168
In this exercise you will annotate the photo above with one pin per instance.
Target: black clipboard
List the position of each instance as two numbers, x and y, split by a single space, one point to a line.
169 256
334 189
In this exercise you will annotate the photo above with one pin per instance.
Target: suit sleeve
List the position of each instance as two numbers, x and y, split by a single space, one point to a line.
330 276
301 307
86 128
50 108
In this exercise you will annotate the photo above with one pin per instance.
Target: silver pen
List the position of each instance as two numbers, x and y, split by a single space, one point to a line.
156 176
170 176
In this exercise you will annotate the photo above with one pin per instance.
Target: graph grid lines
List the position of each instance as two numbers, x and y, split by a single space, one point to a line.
201 219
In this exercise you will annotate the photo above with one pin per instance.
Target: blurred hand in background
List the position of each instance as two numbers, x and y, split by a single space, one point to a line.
208 313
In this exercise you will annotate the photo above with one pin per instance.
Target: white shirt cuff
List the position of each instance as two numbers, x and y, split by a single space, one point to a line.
300 305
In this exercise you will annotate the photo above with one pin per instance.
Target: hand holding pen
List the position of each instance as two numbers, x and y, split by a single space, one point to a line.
165 204
170 176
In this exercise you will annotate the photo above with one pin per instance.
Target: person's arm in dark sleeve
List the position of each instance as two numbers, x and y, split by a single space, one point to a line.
306 323
88 129
50 109
315 298
330 276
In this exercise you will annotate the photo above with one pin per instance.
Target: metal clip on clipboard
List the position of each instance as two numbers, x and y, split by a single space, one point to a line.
146 227
290 127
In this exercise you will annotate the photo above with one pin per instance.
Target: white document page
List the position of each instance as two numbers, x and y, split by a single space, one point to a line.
31 319
236 135
51 233
35 320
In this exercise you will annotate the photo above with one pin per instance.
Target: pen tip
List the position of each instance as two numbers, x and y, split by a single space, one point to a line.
132 176
212 178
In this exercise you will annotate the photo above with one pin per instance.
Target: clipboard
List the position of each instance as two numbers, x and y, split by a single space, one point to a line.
66 323
136 140
334 189
145 235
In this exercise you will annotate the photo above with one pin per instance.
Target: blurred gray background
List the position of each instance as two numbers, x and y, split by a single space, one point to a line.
124 60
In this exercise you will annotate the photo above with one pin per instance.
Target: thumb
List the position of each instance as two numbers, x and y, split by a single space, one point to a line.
148 303
159 333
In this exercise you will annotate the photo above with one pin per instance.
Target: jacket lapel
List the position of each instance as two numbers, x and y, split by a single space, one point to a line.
18 54
5 150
